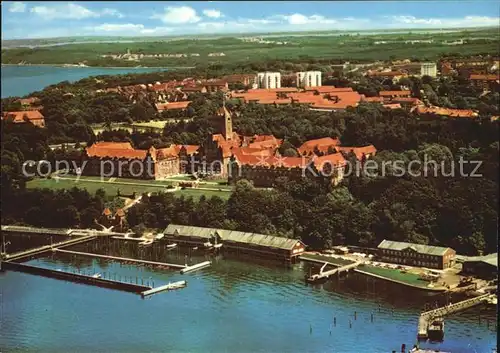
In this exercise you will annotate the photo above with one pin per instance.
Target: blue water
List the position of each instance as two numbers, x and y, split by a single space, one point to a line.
23 80
234 306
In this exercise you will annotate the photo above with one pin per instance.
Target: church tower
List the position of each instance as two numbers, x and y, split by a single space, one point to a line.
227 123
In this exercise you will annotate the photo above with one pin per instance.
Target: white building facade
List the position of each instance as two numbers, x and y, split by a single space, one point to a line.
429 69
308 79
269 80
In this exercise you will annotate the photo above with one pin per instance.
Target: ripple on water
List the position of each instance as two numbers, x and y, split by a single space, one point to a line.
230 307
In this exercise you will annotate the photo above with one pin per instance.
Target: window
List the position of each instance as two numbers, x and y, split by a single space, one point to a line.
268 81
276 81
318 82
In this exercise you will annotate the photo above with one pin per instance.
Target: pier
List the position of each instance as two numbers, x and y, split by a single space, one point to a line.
42 249
426 317
195 267
170 286
76 277
116 258
323 275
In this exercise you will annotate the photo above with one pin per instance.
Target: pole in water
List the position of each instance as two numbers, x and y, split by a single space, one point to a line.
371 317
330 329
350 323
334 321
310 328
355 315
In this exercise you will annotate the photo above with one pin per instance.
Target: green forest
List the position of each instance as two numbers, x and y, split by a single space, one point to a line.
460 212
341 46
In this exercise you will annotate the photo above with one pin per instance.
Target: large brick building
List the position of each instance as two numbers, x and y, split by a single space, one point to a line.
21 117
120 159
416 254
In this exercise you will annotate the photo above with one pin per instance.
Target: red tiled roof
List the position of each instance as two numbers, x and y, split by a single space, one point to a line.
19 116
172 105
453 113
115 150
273 90
120 213
334 159
373 99
322 144
385 74
394 93
106 212
358 151
484 77
328 89
275 101
413 101
392 106
271 161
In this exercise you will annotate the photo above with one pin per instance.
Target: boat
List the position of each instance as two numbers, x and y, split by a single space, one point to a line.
159 236
435 331
217 246
171 246
195 248
97 275
146 242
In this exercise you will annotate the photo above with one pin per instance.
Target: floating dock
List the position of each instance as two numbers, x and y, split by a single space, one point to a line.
427 317
116 258
195 267
76 277
170 286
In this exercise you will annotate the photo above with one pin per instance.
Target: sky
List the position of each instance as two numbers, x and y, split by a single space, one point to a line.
36 19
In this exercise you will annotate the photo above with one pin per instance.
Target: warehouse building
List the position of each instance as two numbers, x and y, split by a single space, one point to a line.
268 246
485 267
416 254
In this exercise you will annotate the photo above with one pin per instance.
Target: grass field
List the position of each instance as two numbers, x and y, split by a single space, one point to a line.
397 275
92 184
349 46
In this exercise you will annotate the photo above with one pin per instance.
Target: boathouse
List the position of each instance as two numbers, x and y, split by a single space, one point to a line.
268 246
485 267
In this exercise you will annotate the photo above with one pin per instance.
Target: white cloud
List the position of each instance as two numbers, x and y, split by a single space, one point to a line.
111 12
467 21
71 11
113 27
17 7
299 19
211 24
127 28
212 13
178 15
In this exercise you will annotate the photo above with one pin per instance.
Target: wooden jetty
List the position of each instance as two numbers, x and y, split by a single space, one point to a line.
42 249
170 286
427 317
76 277
323 275
195 267
116 258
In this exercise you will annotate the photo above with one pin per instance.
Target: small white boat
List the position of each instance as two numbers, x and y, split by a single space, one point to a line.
195 248
97 275
159 236
171 246
217 246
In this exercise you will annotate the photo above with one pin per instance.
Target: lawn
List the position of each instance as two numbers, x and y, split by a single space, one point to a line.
397 275
332 260
124 185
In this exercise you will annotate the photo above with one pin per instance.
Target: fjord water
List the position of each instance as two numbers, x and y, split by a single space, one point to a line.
23 80
233 306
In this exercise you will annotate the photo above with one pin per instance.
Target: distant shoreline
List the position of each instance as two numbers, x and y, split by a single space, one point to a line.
104 67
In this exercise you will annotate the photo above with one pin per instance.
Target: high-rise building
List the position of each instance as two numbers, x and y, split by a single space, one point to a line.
269 80
308 79
428 69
